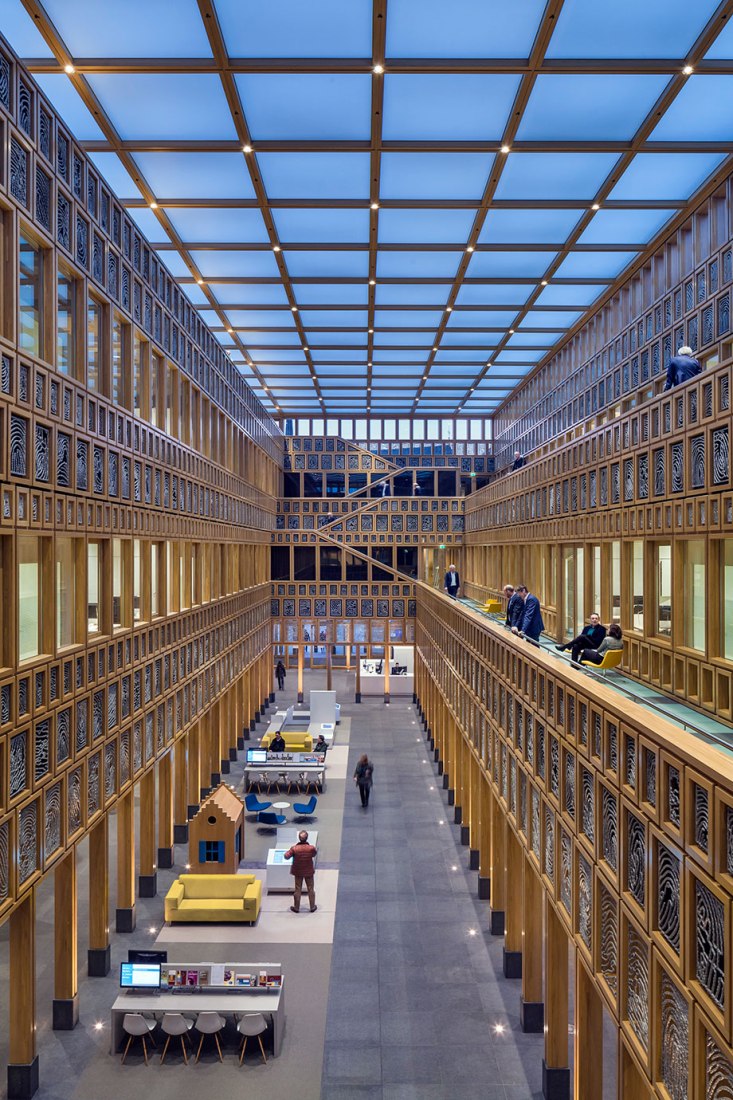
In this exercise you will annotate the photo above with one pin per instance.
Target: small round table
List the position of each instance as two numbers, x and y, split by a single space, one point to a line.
281 805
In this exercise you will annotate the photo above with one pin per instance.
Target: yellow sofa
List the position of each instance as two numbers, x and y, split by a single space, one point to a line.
215 898
295 741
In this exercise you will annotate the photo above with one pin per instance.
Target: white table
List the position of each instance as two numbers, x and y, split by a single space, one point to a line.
270 1002
278 875
281 805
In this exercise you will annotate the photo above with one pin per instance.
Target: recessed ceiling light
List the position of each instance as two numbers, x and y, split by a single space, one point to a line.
370 330
294 309
449 309
470 248
596 206
69 70
246 148
305 349
98 1026
153 206
200 282
375 206
372 282
378 69
435 349
544 282
276 248
230 330
688 70
505 149
511 330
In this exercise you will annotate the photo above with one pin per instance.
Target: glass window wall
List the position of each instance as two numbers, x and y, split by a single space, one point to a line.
65 328
29 598
693 554
31 297
664 590
65 592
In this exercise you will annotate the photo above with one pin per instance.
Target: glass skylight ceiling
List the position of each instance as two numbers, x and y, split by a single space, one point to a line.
414 239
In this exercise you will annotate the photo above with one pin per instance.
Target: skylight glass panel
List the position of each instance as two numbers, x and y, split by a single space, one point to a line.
417 264
322 224
327 265
451 370
69 105
465 355
148 223
481 318
326 337
476 28
250 294
555 318
116 175
520 356
493 294
130 28
196 175
160 106
195 294
700 112
306 106
453 338
434 175
398 355
287 360
329 318
459 107
588 106
315 175
653 176
626 28
174 262
554 175
290 28
22 32
421 340
408 318
238 317
351 294
424 226
345 364
624 226
413 294
218 224
594 265
265 318
271 339
529 226
532 339
722 47
233 263
518 265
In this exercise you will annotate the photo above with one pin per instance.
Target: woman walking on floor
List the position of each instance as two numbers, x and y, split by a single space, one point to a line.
363 778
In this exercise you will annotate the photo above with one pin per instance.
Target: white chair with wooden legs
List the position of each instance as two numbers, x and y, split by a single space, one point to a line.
252 1023
138 1026
172 1024
209 1023
312 782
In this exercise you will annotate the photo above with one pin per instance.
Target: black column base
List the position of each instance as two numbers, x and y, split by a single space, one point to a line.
98 961
532 1016
258 715
191 811
357 696
147 885
215 779
125 920
272 696
252 723
496 922
465 835
241 740
474 859
300 696
165 858
204 792
226 767
484 888
512 964
446 785
414 697
457 812
555 1083
23 1080
436 756
65 1013
233 753
180 834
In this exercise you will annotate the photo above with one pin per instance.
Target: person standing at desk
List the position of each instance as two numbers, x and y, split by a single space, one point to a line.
321 744
452 582
302 870
278 743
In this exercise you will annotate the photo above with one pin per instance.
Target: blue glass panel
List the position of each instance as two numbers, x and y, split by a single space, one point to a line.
351 294
209 317
317 338
21 31
473 28
279 359
434 175
432 294
315 175
665 175
116 175
701 112
454 371
398 355
624 226
150 106
262 339
327 265
523 356
344 366
532 339
494 265
306 226
130 28
554 175
148 223
469 338
408 318
265 318
196 175
544 319
310 106
594 264
656 28
235 263
290 28
175 263
481 318
424 226
493 294
324 358
330 318
571 295
420 265
219 224
417 339
68 103
250 294
588 107
239 318
462 107
463 356
529 226
722 47
195 294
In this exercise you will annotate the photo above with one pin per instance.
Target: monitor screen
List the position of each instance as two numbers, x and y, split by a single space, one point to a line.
147 956
140 975
256 756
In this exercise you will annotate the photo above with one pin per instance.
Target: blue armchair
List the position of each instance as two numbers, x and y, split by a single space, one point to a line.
306 809
272 820
253 804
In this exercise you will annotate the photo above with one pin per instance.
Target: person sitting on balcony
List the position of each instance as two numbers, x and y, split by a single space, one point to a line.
613 640
590 637
681 366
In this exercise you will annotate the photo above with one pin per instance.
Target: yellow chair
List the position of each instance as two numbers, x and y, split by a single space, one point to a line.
612 658
492 607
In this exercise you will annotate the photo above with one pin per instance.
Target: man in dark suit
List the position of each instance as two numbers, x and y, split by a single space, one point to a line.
681 366
514 607
531 625
590 637
452 582
518 460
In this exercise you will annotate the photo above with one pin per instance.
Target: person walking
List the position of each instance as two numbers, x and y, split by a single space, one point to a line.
280 674
302 870
363 778
452 582
681 366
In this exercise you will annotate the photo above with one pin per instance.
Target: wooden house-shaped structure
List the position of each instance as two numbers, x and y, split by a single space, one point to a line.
216 833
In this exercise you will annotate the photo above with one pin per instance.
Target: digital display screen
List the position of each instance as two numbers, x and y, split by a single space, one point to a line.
140 975
256 756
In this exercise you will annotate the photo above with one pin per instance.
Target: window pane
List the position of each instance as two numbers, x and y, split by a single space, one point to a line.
118 361
117 571
65 591
93 587
694 593
637 584
154 382
728 598
64 323
137 376
154 602
136 579
94 336
664 590
616 582
28 598
30 304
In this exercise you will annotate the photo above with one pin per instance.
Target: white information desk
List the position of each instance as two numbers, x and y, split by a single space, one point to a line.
269 1002
278 869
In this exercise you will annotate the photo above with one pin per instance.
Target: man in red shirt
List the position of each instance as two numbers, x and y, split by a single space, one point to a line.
302 855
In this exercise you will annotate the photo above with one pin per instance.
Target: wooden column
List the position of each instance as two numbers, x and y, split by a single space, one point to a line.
98 956
165 811
148 877
513 920
65 930
588 1060
531 1007
300 673
498 866
22 1057
555 1071
180 792
125 917
194 770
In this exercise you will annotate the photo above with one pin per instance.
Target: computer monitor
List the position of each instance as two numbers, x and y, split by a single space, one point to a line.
134 956
256 756
139 975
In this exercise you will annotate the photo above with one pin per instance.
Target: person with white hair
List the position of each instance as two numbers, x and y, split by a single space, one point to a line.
681 366
452 582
